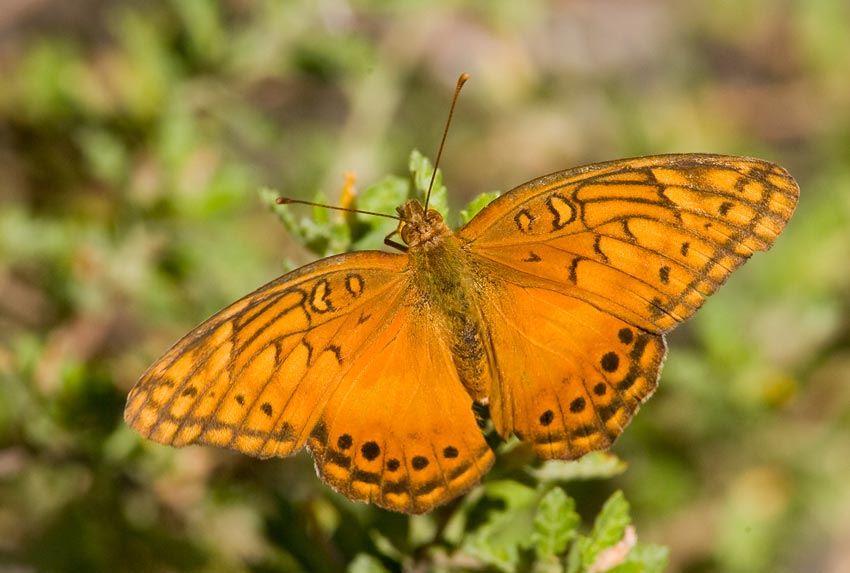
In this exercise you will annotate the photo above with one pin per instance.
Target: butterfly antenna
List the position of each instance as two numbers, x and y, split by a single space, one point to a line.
460 81
288 201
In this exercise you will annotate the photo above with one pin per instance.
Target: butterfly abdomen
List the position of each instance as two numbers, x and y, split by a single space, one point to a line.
449 297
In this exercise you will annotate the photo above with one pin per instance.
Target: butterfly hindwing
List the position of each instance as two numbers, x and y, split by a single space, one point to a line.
400 430
570 377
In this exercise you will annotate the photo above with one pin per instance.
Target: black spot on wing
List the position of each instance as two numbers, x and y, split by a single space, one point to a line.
419 462
320 432
577 406
344 442
370 450
610 362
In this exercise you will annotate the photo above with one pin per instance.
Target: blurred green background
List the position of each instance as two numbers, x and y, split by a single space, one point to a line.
135 135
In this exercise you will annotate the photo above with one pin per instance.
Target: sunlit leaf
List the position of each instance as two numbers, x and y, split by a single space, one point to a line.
555 523
363 563
596 465
474 206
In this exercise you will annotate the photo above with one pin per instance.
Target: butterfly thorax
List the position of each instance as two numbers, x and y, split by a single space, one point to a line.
421 228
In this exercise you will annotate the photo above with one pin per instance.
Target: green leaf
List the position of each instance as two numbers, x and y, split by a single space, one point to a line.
596 465
421 171
555 523
369 231
498 541
364 563
383 196
653 558
474 206
322 233
608 528
574 558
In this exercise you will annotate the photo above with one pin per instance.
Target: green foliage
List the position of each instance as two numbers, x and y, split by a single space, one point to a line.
555 525
476 205
539 530
421 170
326 231
133 136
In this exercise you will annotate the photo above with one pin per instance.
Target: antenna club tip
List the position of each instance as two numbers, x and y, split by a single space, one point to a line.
283 201
462 79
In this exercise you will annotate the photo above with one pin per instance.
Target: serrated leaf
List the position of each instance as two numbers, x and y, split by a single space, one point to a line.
474 206
608 528
364 563
596 465
319 233
514 494
555 523
482 546
498 541
381 197
421 171
574 557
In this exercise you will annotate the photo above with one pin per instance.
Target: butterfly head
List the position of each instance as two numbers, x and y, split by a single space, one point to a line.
420 227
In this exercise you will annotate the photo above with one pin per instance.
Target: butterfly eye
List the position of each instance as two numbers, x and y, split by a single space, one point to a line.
433 217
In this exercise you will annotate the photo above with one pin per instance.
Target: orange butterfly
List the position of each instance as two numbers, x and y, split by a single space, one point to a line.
549 306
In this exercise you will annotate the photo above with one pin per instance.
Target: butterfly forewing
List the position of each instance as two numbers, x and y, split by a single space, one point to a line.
645 239
254 376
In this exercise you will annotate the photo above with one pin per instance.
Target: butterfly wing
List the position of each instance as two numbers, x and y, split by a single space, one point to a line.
617 253
402 434
569 376
331 357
